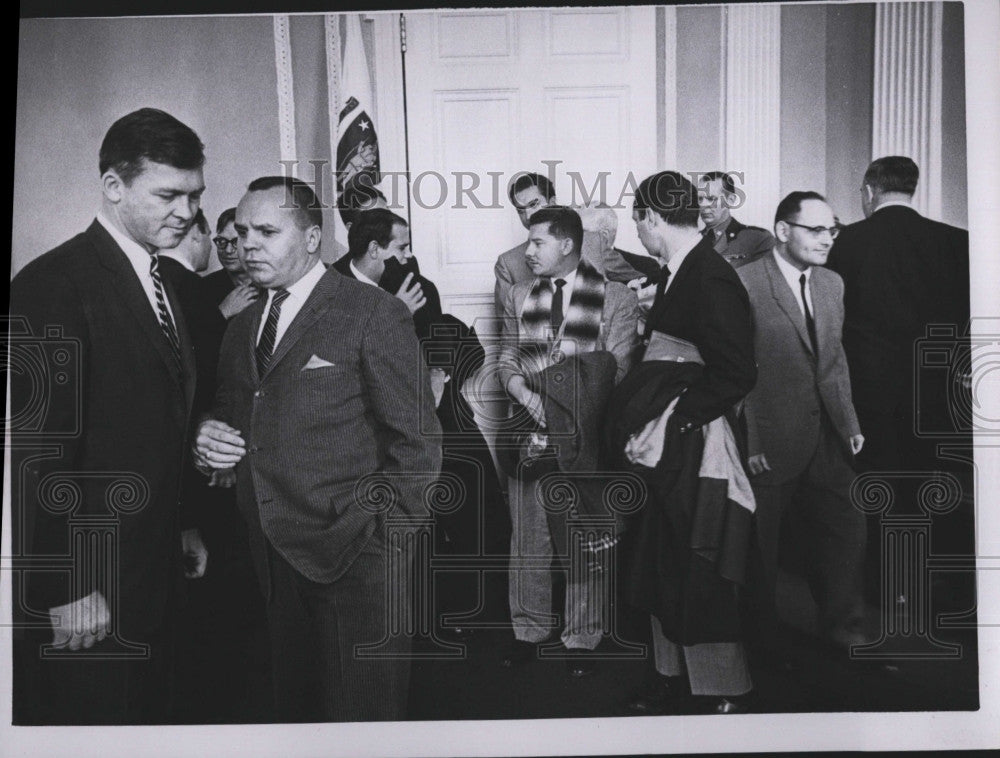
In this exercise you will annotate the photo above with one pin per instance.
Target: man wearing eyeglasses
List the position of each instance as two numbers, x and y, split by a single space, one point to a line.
802 431
230 287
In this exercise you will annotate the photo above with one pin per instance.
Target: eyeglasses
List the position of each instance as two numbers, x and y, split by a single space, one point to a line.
225 244
818 230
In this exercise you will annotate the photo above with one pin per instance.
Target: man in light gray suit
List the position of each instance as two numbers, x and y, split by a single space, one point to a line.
321 389
802 429
566 309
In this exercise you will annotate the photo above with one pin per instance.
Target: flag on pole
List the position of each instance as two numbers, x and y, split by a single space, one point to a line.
357 143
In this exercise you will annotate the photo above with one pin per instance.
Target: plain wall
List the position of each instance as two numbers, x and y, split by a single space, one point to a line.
77 76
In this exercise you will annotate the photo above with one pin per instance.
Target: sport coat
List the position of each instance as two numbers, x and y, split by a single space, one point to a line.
313 434
901 272
707 305
427 315
107 404
618 328
793 383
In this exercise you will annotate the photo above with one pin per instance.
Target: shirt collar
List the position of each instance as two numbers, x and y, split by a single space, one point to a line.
719 226
904 203
175 256
304 286
361 277
136 253
789 271
568 278
677 259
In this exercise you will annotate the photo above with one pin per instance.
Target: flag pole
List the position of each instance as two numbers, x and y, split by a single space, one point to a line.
406 123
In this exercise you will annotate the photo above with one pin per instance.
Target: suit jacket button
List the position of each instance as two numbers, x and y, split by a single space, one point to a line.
814 412
254 448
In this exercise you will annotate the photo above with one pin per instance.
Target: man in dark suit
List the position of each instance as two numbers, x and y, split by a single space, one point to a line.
738 243
902 272
379 253
230 287
224 617
701 301
323 390
113 431
801 426
566 309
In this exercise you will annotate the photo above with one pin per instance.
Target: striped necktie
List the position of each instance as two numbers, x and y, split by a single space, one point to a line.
265 348
162 313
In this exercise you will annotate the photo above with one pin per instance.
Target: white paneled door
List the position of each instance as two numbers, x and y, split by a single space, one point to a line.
570 93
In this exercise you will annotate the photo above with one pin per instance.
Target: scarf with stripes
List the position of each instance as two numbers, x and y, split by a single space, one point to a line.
583 319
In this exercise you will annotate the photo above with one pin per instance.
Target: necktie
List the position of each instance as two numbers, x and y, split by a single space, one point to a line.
266 345
661 285
556 317
162 314
810 323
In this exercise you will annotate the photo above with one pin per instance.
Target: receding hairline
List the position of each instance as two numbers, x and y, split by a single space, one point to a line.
285 192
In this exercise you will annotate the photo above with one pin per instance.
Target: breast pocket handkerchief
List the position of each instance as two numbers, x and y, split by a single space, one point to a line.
316 362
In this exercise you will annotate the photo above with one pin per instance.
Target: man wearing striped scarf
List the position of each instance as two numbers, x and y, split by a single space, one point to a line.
566 310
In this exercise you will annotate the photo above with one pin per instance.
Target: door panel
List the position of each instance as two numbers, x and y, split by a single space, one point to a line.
491 93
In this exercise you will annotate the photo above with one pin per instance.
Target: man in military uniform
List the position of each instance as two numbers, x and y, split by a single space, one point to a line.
738 243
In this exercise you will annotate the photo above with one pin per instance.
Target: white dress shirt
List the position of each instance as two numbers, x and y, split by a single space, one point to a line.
792 275
298 293
567 289
140 259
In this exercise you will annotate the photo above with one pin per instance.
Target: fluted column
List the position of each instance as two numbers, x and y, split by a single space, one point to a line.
906 113
752 106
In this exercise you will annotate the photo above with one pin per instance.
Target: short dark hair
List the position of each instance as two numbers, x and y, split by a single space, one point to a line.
727 180
526 180
563 223
298 196
670 195
893 173
376 224
359 191
201 222
226 218
152 135
792 204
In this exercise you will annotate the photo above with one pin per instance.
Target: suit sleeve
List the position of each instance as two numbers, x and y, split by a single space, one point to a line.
43 440
840 367
504 281
622 335
402 402
726 346
508 364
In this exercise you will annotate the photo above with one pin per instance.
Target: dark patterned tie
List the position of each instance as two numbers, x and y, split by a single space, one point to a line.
162 314
810 323
556 316
266 345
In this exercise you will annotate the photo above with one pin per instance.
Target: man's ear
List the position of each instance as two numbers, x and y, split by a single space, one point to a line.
314 235
781 231
372 249
112 185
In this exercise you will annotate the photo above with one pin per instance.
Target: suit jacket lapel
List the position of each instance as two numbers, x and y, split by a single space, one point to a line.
677 278
188 370
786 300
132 294
823 308
257 311
316 304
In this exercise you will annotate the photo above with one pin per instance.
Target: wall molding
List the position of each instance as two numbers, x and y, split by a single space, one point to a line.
286 92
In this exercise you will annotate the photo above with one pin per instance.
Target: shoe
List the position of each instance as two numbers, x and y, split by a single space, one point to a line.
659 697
519 652
580 662
726 704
